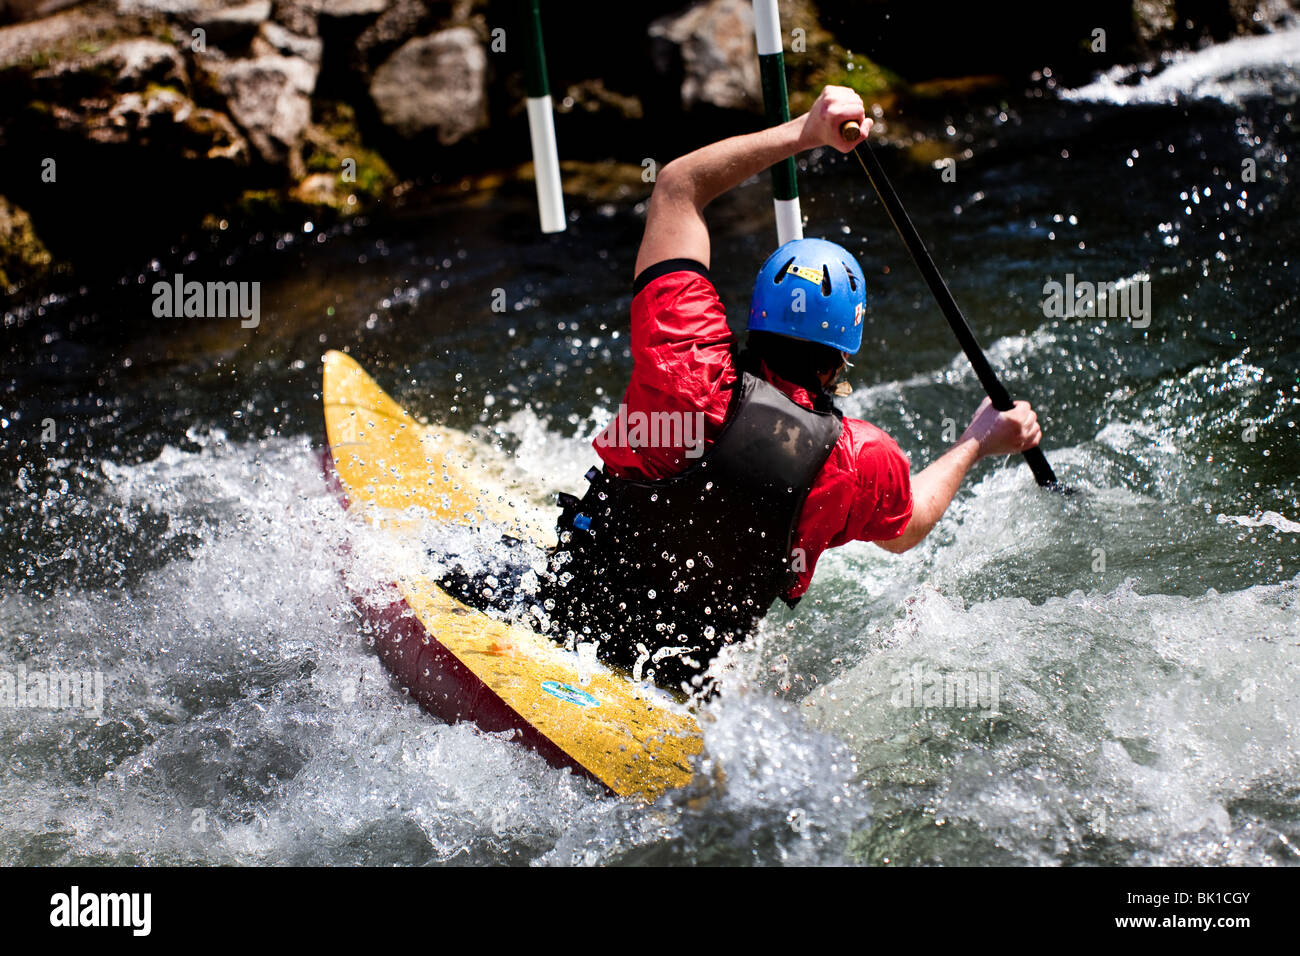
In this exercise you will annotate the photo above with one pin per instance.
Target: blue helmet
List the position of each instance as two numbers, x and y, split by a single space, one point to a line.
811 289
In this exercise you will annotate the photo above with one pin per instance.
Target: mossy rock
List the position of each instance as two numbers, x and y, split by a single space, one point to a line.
255 204
869 79
334 138
71 35
23 257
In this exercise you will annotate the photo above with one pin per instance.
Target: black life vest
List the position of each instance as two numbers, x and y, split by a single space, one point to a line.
683 565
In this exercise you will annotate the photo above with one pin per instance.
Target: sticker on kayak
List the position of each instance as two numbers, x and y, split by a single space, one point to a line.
570 694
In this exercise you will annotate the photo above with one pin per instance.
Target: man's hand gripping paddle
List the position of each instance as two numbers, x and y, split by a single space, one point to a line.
1001 399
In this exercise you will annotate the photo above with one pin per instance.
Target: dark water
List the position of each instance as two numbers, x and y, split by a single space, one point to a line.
1143 635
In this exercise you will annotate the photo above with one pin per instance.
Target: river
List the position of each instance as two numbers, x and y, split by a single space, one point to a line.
1137 644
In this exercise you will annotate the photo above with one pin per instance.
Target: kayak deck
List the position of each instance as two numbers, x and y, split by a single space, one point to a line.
457 662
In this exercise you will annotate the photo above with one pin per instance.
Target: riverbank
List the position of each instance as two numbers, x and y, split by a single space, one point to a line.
140 129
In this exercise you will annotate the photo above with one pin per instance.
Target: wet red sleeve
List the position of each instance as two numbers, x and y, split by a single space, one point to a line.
681 362
882 505
681 345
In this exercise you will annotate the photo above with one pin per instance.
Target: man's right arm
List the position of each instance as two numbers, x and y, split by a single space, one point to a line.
675 227
990 433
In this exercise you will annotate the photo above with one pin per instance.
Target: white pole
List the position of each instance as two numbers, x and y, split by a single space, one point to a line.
771 65
541 127
767 27
546 163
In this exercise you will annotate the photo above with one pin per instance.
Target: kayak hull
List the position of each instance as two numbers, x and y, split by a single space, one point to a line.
433 676
458 663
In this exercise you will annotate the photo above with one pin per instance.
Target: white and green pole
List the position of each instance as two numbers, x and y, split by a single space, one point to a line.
541 127
771 67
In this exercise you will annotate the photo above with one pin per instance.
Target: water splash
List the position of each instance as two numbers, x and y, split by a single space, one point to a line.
1234 72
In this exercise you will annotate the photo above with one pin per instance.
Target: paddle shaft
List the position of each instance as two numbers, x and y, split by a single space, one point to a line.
997 393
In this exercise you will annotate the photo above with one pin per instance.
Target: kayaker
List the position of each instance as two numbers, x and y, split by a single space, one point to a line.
680 545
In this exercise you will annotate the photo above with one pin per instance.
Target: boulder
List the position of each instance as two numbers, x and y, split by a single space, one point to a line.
305 17
212 135
1259 16
593 97
123 66
184 10
132 93
16 11
269 97
1153 19
63 36
1166 23
400 21
141 62
711 47
319 189
300 16
344 9
158 118
232 24
273 38
22 254
137 117
436 82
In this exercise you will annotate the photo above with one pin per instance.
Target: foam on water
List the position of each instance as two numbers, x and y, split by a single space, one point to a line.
1269 519
1134 728
553 456
1143 633
1232 72
246 719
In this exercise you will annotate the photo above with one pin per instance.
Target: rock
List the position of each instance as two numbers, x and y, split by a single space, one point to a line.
141 62
233 24
300 16
233 12
592 96
273 38
1167 24
159 118
269 97
402 20
16 11
1258 16
185 10
333 145
436 82
22 254
711 46
343 9
304 16
51 39
213 136
133 116
123 66
319 189
134 94
1153 18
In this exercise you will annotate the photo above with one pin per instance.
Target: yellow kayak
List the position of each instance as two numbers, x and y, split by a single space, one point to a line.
457 662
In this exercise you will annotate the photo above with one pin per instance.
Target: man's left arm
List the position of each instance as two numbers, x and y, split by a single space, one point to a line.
990 432
675 227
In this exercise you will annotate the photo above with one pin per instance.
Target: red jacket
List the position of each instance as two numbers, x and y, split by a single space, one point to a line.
682 363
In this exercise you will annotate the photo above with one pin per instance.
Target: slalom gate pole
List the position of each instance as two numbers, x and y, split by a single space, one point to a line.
776 106
541 127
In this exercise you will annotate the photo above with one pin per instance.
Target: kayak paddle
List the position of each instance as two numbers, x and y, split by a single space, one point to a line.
1001 399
